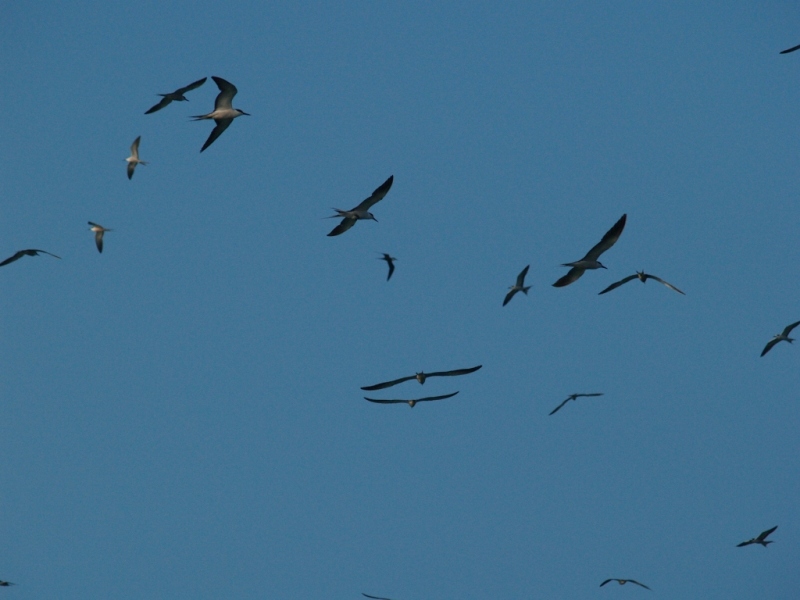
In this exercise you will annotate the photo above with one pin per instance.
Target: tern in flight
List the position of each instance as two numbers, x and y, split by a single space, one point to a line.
223 113
421 377
389 261
643 277
590 260
572 397
176 96
624 581
411 403
761 539
99 230
133 159
783 336
792 49
519 286
21 253
362 210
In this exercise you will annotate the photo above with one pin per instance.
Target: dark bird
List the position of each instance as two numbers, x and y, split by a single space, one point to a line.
99 230
411 403
590 260
21 253
761 539
176 96
572 397
783 336
624 581
643 277
389 261
790 50
374 597
421 377
223 113
519 286
6 583
362 210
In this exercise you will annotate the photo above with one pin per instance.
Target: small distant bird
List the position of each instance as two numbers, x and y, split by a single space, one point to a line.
99 230
761 539
6 583
643 277
389 261
590 260
783 336
421 377
624 581
790 50
572 397
21 253
176 96
411 403
374 597
223 113
133 159
519 286
361 211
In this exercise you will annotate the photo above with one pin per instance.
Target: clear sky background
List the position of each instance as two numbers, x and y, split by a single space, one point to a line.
181 416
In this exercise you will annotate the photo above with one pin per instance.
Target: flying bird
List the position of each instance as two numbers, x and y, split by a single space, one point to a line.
624 581
421 377
99 230
519 286
590 260
761 539
790 50
361 211
643 277
411 403
21 253
572 397
783 336
223 113
133 159
176 96
389 261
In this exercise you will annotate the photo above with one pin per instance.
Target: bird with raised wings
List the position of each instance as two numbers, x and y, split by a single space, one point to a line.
223 113
519 286
573 397
643 277
624 581
99 230
360 212
783 336
29 252
421 377
133 159
389 261
176 96
590 260
411 403
761 539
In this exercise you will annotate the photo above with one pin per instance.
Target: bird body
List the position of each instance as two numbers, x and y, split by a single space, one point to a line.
421 377
761 539
411 403
99 230
641 276
29 252
176 96
223 113
519 286
389 261
133 159
579 267
360 212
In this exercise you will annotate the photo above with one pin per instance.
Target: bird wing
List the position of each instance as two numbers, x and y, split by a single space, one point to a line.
606 581
391 268
557 408
162 103
44 252
377 195
747 543
386 384
766 349
98 240
609 239
588 395
764 534
510 295
11 259
135 148
790 50
669 285
226 93
637 583
346 224
386 401
572 275
222 125
788 329
425 399
131 168
614 286
521 276
193 86
374 597
455 372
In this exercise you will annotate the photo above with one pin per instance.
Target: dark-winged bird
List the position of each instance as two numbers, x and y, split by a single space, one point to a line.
519 286
133 159
223 113
761 539
421 377
590 260
21 253
783 336
572 397
792 49
643 277
361 211
389 261
6 583
176 96
99 230
624 581
411 403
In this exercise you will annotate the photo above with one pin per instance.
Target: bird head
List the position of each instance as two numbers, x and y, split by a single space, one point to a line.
371 216
601 265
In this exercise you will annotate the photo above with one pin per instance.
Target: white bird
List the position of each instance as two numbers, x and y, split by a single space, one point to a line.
99 230
590 260
643 277
223 113
572 397
133 159
783 336
176 96
519 286
361 211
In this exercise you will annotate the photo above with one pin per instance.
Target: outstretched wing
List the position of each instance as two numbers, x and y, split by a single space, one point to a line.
606 581
377 195
226 93
572 275
669 285
391 268
452 373
386 384
556 409
222 125
790 50
510 295
164 102
766 349
788 329
764 534
386 401
425 399
374 597
346 224
191 86
614 286
641 584
609 239
521 276
98 240
747 543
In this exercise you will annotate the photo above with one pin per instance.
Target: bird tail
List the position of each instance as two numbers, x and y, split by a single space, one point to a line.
525 290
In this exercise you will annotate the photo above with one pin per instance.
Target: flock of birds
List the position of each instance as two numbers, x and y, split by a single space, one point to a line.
223 115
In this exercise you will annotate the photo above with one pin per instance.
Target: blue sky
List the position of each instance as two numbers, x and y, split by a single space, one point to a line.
182 415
